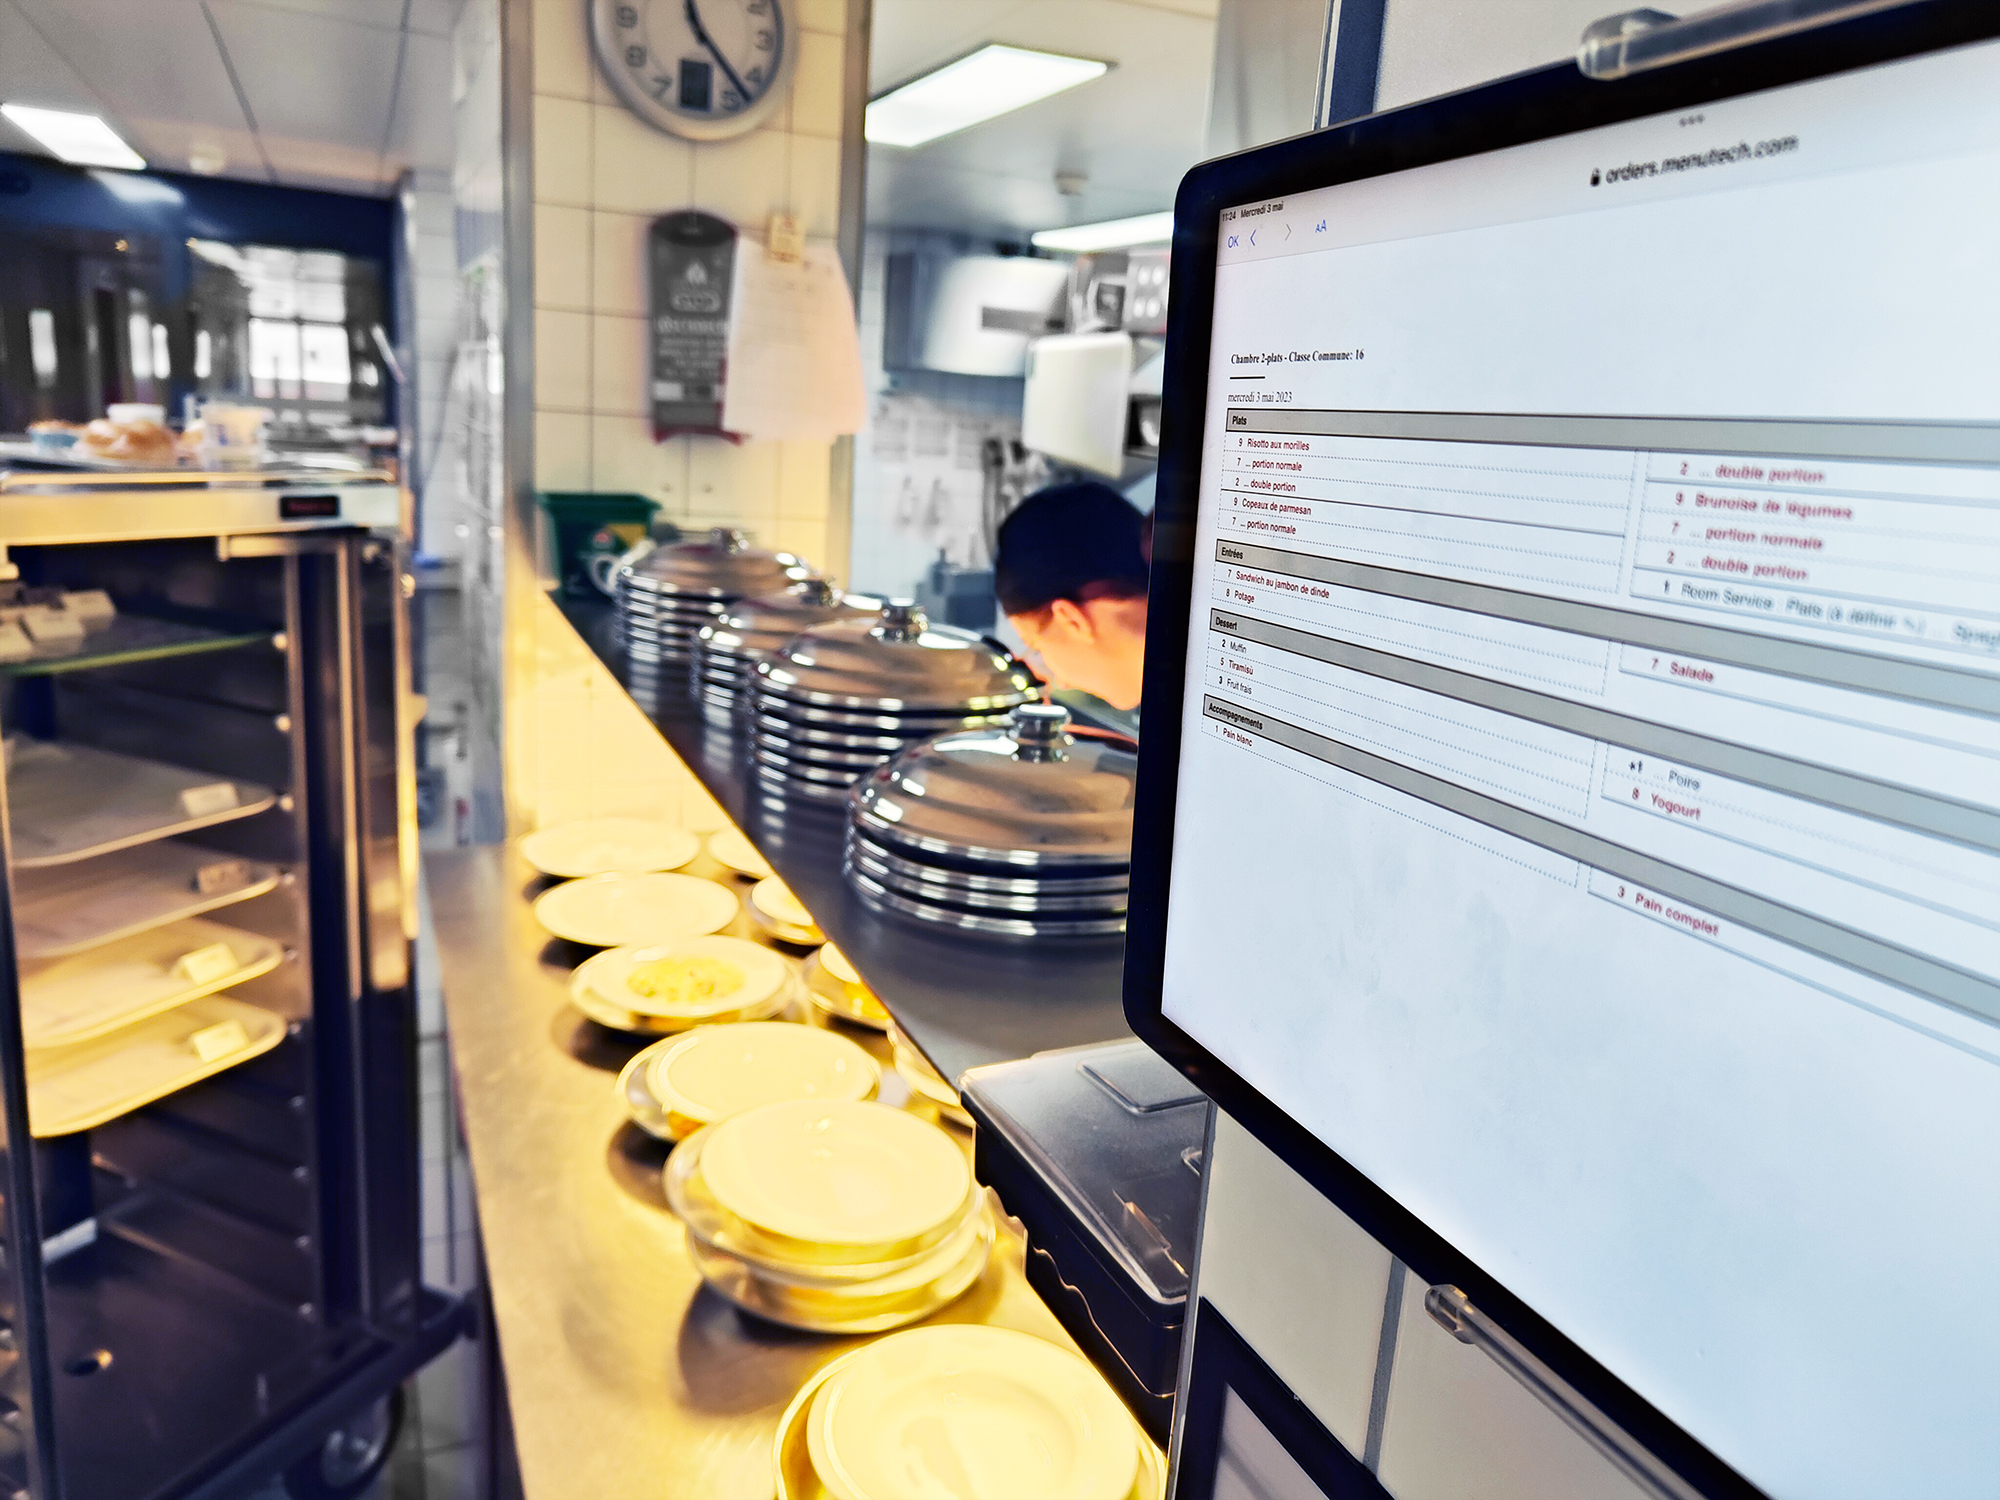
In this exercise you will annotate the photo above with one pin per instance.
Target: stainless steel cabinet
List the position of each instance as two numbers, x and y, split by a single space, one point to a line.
207 1037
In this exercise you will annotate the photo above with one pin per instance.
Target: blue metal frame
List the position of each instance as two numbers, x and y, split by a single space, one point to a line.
1356 60
172 208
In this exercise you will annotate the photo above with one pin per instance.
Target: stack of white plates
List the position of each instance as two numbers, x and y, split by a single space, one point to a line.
965 1411
837 990
730 848
607 846
674 987
610 911
927 1084
778 912
675 1087
837 1216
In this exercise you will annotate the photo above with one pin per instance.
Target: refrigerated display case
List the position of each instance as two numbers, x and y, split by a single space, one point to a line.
208 1045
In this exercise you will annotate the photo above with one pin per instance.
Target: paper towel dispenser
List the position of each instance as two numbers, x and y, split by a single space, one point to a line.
969 314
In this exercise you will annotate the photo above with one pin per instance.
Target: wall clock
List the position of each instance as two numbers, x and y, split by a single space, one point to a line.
703 69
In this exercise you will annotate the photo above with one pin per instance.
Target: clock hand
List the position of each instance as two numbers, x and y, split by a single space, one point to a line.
701 35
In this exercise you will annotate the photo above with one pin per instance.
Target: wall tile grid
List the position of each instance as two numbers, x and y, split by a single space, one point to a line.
434 295
918 485
601 176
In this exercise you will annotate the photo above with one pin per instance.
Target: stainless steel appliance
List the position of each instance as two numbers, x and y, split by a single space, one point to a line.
667 594
1098 1152
726 652
841 698
208 1047
1021 830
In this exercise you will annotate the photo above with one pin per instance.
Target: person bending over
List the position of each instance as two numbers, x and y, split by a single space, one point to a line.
1071 572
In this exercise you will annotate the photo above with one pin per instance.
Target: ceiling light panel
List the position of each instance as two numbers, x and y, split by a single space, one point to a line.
990 82
1110 234
83 140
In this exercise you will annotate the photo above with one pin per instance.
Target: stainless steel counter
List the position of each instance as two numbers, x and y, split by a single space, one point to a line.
625 1377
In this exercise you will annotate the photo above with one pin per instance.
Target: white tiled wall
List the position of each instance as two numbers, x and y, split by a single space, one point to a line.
433 252
898 525
601 176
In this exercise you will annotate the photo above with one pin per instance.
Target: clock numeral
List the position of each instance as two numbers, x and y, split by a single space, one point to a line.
628 15
764 40
661 87
635 57
754 77
759 7
731 100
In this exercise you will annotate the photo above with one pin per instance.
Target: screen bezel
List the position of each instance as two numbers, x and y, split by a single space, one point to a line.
1534 106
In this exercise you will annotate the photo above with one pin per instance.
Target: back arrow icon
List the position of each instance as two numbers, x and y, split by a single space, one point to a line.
1253 236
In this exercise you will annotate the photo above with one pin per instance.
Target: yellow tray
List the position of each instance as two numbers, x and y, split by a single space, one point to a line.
69 1000
72 908
82 1087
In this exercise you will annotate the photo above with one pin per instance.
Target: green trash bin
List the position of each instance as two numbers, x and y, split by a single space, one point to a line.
586 525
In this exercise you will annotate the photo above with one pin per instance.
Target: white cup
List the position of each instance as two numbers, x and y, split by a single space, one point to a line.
136 411
232 437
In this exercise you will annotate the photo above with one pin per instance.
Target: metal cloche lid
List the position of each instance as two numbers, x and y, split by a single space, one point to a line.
721 565
752 627
1025 794
897 662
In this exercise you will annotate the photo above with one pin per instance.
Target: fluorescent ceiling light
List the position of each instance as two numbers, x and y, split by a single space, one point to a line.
989 82
84 140
1111 234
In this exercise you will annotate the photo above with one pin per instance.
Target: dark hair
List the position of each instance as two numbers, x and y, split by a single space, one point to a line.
1078 541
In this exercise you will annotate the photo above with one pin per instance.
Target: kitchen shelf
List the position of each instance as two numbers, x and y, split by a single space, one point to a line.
90 1084
126 639
73 908
69 802
78 999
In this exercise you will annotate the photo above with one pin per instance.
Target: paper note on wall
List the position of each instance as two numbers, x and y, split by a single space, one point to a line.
794 354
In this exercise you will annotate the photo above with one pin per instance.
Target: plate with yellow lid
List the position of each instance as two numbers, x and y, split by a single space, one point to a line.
856 1179
605 846
735 852
637 1095
968 1412
874 1306
925 1082
791 1459
796 1479
838 990
720 1071
779 912
611 911
794 1262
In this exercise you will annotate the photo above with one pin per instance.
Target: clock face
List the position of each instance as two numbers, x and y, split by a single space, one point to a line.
704 69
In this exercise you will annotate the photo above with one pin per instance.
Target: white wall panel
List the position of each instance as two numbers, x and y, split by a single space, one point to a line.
1458 1427
1432 47
1302 1283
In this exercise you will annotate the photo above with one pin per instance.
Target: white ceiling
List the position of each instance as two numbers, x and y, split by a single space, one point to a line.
1134 131
346 94
336 94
